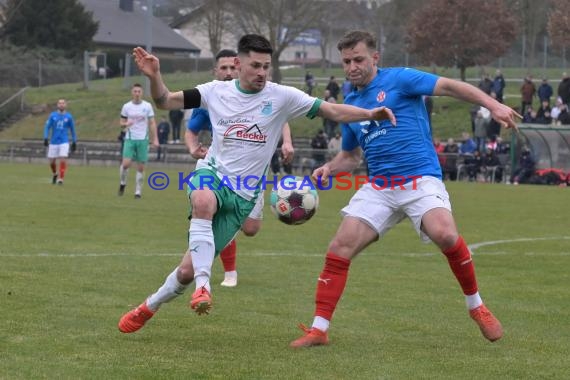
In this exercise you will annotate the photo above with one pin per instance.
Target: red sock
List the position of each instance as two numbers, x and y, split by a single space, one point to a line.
330 285
228 256
53 167
459 258
62 167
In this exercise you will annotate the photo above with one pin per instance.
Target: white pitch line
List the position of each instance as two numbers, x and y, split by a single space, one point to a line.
473 248
495 242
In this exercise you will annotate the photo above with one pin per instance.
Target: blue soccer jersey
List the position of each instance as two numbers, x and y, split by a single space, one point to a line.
199 121
405 150
60 125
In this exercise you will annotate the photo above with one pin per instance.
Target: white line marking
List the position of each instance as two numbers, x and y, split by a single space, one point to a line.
473 248
486 243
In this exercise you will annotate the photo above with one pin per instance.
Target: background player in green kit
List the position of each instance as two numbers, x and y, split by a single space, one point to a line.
137 119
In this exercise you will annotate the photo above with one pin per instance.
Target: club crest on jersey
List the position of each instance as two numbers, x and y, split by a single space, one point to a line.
266 107
381 96
245 133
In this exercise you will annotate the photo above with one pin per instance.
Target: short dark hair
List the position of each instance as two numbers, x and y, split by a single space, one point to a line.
137 85
225 53
353 37
254 42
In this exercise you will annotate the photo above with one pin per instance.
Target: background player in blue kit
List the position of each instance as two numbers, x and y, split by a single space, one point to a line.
60 123
399 154
225 70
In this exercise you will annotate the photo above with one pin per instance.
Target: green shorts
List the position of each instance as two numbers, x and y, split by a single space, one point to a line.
136 150
231 211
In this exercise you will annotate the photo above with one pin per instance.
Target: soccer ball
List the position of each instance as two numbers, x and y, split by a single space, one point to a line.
294 201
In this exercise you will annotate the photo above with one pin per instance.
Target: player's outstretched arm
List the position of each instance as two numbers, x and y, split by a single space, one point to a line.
503 114
345 113
149 65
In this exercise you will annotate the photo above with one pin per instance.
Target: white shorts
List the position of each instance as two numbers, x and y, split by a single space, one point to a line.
383 209
257 212
58 150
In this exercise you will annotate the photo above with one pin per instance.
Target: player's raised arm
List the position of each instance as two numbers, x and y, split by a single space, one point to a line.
503 114
149 65
345 113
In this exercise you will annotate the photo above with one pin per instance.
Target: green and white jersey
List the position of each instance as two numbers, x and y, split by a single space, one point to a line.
139 115
246 127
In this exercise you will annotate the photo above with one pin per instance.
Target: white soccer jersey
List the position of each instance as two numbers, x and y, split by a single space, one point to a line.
139 115
246 128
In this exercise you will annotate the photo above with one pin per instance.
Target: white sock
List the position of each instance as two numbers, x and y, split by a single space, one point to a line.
123 174
473 301
231 274
202 249
321 323
167 292
139 182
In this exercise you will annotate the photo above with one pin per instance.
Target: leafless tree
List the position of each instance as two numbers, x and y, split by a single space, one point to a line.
461 33
559 24
532 15
280 21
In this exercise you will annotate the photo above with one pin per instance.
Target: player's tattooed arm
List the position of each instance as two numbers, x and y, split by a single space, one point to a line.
160 101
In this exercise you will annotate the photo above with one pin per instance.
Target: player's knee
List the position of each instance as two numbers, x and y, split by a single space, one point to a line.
250 229
445 238
203 204
342 248
185 274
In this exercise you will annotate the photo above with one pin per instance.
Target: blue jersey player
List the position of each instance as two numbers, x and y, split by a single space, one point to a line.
225 69
404 178
60 124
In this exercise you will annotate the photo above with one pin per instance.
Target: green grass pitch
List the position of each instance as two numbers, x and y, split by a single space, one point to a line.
74 258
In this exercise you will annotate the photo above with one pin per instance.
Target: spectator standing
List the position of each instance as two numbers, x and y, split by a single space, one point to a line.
333 87
176 117
528 90
320 145
564 89
499 85
163 130
486 84
330 125
545 91
480 133
309 82
452 151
